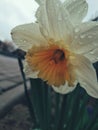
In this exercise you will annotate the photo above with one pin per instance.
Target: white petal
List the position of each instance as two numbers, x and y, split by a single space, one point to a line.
77 10
86 75
93 55
27 35
64 89
39 1
29 73
92 10
86 42
54 20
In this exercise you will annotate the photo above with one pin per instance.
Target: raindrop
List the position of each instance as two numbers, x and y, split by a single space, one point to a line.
57 4
82 36
91 52
89 36
85 9
78 12
20 40
94 33
96 58
24 41
77 30
95 44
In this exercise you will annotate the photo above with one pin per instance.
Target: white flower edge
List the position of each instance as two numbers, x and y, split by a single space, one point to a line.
77 10
27 35
86 75
86 40
18 35
54 20
92 12
64 89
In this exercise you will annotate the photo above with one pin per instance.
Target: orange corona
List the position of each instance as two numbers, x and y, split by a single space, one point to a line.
52 63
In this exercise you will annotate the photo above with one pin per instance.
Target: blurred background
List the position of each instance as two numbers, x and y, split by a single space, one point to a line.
14 112
13 13
13 105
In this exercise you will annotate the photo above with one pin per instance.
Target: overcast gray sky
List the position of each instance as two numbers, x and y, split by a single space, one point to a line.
15 12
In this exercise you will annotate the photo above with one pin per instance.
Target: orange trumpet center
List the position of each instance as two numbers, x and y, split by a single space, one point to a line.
52 63
58 56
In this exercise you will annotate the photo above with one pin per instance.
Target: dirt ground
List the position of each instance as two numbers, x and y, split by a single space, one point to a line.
17 119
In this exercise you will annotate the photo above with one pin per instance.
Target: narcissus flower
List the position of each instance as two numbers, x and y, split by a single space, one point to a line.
92 12
60 49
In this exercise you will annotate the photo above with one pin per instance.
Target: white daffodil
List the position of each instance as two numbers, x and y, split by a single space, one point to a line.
60 49
92 12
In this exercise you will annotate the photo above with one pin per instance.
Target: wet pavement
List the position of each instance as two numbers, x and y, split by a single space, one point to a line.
11 83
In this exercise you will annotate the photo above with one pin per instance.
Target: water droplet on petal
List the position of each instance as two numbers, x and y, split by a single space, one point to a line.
20 40
96 58
89 36
78 12
91 52
95 44
57 4
24 41
77 30
82 36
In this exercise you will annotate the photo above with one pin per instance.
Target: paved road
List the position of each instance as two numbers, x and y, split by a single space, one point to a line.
9 77
9 71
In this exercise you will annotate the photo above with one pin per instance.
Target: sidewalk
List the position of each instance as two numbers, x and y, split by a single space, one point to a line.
11 83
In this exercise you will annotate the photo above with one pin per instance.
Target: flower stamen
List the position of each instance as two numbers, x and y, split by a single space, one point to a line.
58 56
